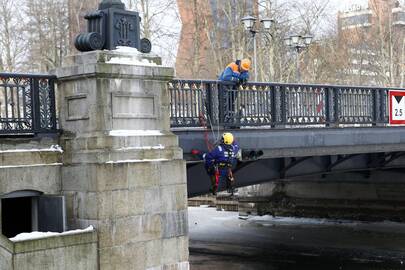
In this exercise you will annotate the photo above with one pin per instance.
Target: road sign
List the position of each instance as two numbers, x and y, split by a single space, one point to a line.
397 107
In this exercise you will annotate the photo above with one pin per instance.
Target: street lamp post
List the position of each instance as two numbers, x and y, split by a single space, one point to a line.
298 43
249 22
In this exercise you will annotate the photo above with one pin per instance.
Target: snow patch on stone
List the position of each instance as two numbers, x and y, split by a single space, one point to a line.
132 57
130 61
135 133
157 147
53 148
39 235
30 165
126 49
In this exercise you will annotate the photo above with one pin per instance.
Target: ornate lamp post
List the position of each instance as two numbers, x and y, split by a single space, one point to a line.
298 43
111 26
249 22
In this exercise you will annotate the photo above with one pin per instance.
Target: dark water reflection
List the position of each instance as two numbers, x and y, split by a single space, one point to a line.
222 241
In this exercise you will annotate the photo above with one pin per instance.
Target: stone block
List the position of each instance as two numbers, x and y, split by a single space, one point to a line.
112 176
173 172
44 178
153 253
69 252
173 198
174 224
79 178
6 260
174 250
105 205
143 174
120 206
153 200
181 197
85 205
136 202
127 256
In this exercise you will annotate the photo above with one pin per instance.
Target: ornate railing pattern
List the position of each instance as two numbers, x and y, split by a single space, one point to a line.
199 103
27 104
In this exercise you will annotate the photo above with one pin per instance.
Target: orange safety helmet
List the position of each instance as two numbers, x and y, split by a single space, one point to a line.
245 64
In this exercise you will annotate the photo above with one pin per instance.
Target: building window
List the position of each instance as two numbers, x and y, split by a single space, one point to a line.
399 17
356 20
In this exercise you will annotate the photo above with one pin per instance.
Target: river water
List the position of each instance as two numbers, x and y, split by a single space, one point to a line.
220 240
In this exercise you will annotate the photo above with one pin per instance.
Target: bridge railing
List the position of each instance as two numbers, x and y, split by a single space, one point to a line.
196 103
27 104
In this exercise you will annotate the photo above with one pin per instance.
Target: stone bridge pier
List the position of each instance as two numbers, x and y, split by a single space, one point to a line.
123 171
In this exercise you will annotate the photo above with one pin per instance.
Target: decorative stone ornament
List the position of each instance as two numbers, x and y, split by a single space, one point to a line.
112 26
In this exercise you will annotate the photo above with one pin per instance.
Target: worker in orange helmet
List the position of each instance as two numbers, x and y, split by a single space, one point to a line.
235 74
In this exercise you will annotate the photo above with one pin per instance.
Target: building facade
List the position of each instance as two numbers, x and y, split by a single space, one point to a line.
373 38
211 36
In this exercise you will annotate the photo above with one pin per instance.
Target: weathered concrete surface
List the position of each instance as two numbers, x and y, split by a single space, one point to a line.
6 253
30 164
377 196
123 170
67 252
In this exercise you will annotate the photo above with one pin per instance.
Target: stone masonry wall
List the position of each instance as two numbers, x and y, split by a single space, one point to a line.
67 252
374 196
123 170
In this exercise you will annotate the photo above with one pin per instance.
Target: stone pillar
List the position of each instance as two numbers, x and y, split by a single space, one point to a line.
123 171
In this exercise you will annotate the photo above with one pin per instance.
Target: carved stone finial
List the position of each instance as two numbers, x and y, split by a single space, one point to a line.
111 4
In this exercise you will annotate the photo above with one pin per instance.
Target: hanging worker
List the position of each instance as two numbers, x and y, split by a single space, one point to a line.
219 164
235 74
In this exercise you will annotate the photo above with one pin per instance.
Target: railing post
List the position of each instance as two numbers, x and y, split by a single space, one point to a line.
273 108
222 92
52 104
375 114
330 107
335 108
208 104
283 105
327 107
36 107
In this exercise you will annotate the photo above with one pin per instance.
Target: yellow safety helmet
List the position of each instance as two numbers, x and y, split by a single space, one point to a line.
245 64
227 138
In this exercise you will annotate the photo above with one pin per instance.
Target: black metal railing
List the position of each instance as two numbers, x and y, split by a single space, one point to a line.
196 103
27 104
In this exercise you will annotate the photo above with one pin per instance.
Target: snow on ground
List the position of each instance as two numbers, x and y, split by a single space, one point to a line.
39 235
210 216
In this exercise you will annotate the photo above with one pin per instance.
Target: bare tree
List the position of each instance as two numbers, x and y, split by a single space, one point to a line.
47 30
77 10
158 23
12 43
